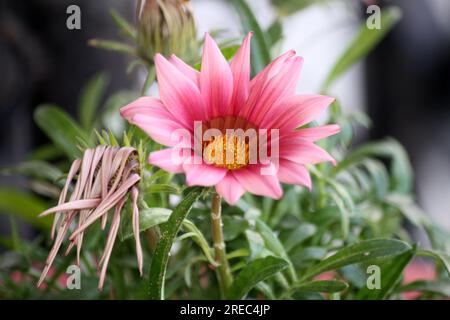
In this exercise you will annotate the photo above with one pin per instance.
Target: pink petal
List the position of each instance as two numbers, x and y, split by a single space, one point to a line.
202 174
296 111
240 68
145 105
230 189
216 80
293 173
165 160
254 182
162 130
260 81
185 69
282 85
178 93
315 133
304 152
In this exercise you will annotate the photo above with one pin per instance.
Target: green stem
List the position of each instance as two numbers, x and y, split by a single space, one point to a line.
223 270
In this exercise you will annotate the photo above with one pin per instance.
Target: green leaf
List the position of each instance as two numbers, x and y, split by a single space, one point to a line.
148 80
260 54
110 116
233 226
256 271
363 44
330 286
437 287
288 7
275 33
123 24
44 152
24 206
163 188
274 245
391 270
298 235
148 218
441 257
36 169
90 99
169 231
229 51
60 128
112 45
366 250
401 169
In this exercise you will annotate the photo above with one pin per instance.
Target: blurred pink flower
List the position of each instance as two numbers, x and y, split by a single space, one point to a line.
415 271
106 177
222 97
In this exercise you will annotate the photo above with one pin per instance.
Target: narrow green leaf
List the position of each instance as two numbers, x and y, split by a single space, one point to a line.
441 287
36 169
275 32
229 51
25 206
273 244
401 169
391 270
148 218
163 188
112 45
298 235
366 250
363 44
148 80
169 231
256 271
123 24
441 257
90 99
330 286
60 128
260 54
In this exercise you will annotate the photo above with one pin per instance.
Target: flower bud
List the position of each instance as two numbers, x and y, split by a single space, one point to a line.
166 27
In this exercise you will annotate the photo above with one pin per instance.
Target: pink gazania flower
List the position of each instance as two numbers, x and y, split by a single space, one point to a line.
222 96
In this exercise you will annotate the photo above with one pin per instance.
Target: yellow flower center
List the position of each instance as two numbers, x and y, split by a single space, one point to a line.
227 151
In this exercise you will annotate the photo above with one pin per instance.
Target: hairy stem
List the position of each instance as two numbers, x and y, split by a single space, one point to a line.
223 270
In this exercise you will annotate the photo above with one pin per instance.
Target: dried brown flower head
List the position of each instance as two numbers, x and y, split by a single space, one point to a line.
106 176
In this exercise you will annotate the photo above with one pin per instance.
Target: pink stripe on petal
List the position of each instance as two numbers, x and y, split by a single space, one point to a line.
281 86
240 68
254 182
293 173
178 93
165 160
296 111
313 134
230 189
304 152
216 80
260 81
186 69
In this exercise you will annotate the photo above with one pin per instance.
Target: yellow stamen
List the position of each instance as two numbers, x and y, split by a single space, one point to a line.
227 151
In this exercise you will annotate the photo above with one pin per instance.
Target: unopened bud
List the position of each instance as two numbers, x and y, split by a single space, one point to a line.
166 27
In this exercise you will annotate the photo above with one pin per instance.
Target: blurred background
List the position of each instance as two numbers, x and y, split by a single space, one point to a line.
404 85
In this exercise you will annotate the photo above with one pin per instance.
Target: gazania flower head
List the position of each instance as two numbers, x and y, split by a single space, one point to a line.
106 177
218 107
166 27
